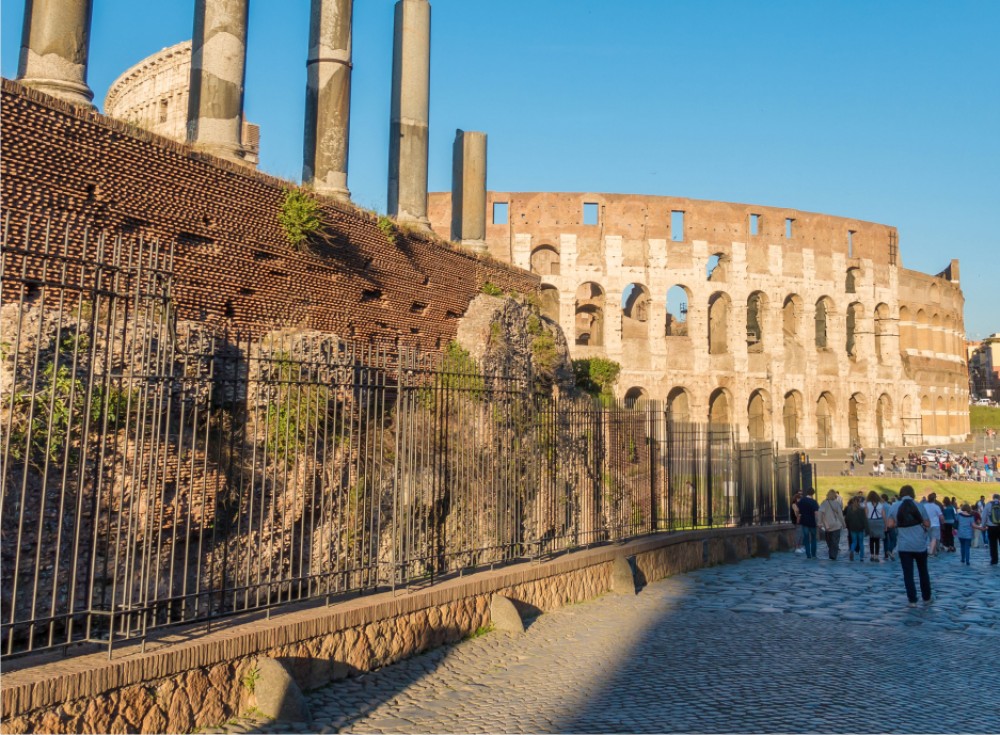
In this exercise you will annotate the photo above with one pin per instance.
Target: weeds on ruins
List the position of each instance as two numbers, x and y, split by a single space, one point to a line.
299 217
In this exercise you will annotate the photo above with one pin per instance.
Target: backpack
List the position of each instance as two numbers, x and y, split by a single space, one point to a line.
995 514
908 515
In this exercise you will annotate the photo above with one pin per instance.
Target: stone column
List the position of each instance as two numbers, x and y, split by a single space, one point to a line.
411 70
328 98
468 190
218 63
54 45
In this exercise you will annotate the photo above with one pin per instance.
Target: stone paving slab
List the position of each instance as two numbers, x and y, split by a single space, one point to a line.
779 645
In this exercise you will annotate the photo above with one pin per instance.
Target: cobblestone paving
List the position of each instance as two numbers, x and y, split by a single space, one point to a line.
780 645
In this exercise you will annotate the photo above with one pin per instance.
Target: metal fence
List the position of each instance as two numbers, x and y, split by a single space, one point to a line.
156 472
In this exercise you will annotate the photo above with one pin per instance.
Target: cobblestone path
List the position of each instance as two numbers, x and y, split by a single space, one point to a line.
779 645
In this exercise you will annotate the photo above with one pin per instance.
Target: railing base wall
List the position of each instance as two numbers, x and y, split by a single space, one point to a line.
180 684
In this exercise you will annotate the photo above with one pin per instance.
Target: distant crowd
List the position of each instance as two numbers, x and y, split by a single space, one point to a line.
952 468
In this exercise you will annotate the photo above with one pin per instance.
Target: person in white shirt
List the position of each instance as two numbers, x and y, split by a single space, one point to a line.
875 513
935 514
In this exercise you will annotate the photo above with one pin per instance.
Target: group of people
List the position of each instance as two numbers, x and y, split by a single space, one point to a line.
955 467
900 528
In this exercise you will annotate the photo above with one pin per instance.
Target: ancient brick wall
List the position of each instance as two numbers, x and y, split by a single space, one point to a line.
233 263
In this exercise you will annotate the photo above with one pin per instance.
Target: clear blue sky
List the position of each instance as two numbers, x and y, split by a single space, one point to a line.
882 110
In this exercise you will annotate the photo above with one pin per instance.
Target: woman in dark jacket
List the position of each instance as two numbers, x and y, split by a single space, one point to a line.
857 524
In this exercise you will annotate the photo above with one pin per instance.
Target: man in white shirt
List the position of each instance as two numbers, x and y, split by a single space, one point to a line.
936 515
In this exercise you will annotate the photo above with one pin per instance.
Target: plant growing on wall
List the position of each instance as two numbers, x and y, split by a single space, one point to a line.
388 228
299 217
596 376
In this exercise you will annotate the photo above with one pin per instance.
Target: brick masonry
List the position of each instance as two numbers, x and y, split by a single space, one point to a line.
233 263
199 682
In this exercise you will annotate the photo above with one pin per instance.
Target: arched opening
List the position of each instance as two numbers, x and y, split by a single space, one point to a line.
954 417
589 315
854 315
791 418
678 298
545 261
824 421
906 336
679 405
853 280
926 416
549 302
923 331
882 331
634 396
855 409
940 416
759 416
791 312
935 294
756 317
718 324
719 414
635 312
937 334
883 418
715 269
824 307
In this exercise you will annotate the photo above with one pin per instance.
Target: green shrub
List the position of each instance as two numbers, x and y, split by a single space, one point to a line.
388 228
596 376
491 290
299 217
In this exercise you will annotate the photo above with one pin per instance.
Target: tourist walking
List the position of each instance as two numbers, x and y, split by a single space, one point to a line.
830 520
935 515
808 508
911 521
856 523
890 533
949 511
875 514
965 529
991 520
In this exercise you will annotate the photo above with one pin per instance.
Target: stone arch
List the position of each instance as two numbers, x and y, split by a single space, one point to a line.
679 405
906 331
718 323
549 302
719 408
791 418
926 415
545 261
855 312
589 315
759 416
678 300
935 293
940 416
636 303
756 321
716 269
883 327
856 409
954 420
937 333
883 418
634 396
824 420
791 314
824 308
909 421
853 280
923 331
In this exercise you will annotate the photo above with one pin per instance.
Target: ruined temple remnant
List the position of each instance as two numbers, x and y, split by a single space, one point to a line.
468 190
54 45
411 70
218 62
328 97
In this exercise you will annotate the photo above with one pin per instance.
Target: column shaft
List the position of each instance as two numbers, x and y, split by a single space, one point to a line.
411 66
468 190
55 42
328 97
218 65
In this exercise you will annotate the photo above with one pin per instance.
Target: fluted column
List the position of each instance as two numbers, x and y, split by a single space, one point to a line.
218 65
411 67
55 42
328 97
468 190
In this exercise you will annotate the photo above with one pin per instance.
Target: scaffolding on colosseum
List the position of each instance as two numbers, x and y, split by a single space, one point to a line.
159 472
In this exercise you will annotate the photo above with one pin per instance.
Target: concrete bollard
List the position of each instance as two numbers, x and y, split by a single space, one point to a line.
504 615
622 577
278 695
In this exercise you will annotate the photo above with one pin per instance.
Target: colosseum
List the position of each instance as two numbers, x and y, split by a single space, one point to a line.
800 328
154 94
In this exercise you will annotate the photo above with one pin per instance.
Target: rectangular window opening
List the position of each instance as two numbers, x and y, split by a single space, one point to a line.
850 243
677 226
589 213
163 111
754 224
500 213
788 228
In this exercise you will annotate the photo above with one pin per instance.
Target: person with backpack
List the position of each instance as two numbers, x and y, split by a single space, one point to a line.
965 529
991 520
808 508
857 525
911 522
875 514
831 521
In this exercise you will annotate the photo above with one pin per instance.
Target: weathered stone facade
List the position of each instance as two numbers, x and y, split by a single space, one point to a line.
801 327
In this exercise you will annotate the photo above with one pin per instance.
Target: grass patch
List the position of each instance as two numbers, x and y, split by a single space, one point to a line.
984 417
480 632
965 491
